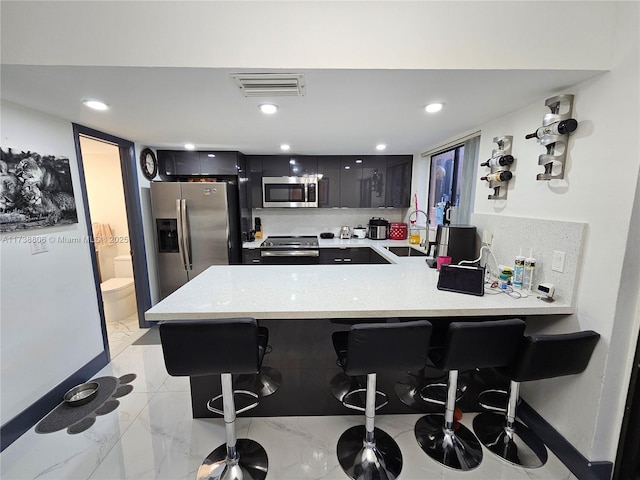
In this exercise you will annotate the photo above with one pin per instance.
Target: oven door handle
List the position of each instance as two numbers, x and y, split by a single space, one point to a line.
290 253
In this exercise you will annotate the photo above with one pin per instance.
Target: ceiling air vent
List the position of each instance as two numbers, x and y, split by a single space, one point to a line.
270 84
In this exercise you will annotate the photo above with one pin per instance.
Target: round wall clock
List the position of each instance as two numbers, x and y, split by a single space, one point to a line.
148 163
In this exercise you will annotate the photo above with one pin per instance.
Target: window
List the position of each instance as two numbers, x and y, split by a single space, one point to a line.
445 185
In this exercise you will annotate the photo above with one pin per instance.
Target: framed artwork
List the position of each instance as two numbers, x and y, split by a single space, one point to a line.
35 191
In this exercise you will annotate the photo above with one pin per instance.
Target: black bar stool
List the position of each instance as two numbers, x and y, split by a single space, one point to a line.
539 357
220 346
364 451
267 381
468 345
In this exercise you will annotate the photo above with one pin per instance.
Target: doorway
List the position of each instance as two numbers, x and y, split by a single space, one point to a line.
124 228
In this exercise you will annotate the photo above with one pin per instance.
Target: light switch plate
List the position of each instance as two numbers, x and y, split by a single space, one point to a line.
558 261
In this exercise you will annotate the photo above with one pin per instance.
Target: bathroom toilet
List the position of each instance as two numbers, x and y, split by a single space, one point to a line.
118 294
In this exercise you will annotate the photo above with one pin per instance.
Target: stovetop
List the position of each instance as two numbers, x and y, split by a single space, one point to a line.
304 241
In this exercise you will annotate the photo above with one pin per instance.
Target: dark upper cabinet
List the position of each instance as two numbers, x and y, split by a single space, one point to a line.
219 163
275 166
398 189
178 162
254 174
351 181
184 163
374 179
329 181
303 165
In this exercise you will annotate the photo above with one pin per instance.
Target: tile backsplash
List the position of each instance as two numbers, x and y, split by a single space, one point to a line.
313 221
542 238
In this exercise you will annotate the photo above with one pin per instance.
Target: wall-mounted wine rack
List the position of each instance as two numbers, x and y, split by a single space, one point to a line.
561 107
503 151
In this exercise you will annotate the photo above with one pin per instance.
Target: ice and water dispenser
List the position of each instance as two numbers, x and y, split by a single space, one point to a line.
167 229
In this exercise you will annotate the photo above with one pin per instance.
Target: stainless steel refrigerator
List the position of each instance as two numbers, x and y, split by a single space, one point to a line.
197 225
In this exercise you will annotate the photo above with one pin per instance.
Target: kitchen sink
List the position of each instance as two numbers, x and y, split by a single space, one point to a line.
406 251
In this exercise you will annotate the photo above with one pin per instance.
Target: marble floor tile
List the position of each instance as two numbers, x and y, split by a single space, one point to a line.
152 435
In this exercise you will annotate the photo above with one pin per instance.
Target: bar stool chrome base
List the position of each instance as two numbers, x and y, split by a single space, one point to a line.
456 448
517 445
379 460
264 383
250 464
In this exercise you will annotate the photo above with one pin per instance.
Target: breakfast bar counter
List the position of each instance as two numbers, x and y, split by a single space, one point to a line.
404 289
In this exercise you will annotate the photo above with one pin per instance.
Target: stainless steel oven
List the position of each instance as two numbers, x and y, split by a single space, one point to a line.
289 192
302 250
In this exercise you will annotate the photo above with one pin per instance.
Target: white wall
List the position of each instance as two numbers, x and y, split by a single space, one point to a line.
599 189
50 325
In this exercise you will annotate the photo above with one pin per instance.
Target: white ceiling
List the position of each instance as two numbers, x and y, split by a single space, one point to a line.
343 111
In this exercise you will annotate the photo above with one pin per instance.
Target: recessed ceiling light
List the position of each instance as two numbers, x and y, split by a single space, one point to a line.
434 107
268 108
381 146
95 104
284 146
189 146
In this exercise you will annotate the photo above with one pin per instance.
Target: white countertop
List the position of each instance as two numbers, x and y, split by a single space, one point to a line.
405 288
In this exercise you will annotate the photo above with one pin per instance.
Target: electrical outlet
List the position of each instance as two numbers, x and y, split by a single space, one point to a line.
38 247
487 238
558 261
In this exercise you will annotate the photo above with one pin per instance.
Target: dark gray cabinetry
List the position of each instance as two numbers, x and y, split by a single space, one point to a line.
254 174
174 163
374 180
275 166
349 255
303 165
219 163
251 256
398 182
351 181
178 162
329 181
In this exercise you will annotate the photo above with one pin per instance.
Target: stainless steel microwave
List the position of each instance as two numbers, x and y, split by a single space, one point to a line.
289 192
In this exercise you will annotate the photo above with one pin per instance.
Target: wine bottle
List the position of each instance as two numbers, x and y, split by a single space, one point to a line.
557 128
502 176
498 161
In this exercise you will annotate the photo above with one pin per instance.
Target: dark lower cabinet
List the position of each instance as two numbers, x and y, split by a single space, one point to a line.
328 256
251 256
350 256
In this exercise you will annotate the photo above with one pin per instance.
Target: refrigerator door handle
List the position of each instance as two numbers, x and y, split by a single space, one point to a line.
185 235
180 233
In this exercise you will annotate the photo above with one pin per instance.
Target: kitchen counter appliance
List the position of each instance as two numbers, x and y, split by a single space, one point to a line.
378 228
197 225
290 250
455 241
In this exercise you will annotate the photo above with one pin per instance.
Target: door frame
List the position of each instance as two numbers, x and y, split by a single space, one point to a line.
134 220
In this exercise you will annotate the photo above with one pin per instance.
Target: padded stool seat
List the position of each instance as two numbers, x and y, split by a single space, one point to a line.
538 357
367 452
225 347
468 345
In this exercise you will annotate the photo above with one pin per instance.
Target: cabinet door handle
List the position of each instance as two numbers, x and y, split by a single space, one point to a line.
346 259
337 259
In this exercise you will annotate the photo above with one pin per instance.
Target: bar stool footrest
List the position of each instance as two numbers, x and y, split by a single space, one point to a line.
219 411
355 399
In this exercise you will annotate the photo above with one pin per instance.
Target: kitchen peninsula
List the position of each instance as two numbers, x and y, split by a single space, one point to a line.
404 288
302 305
